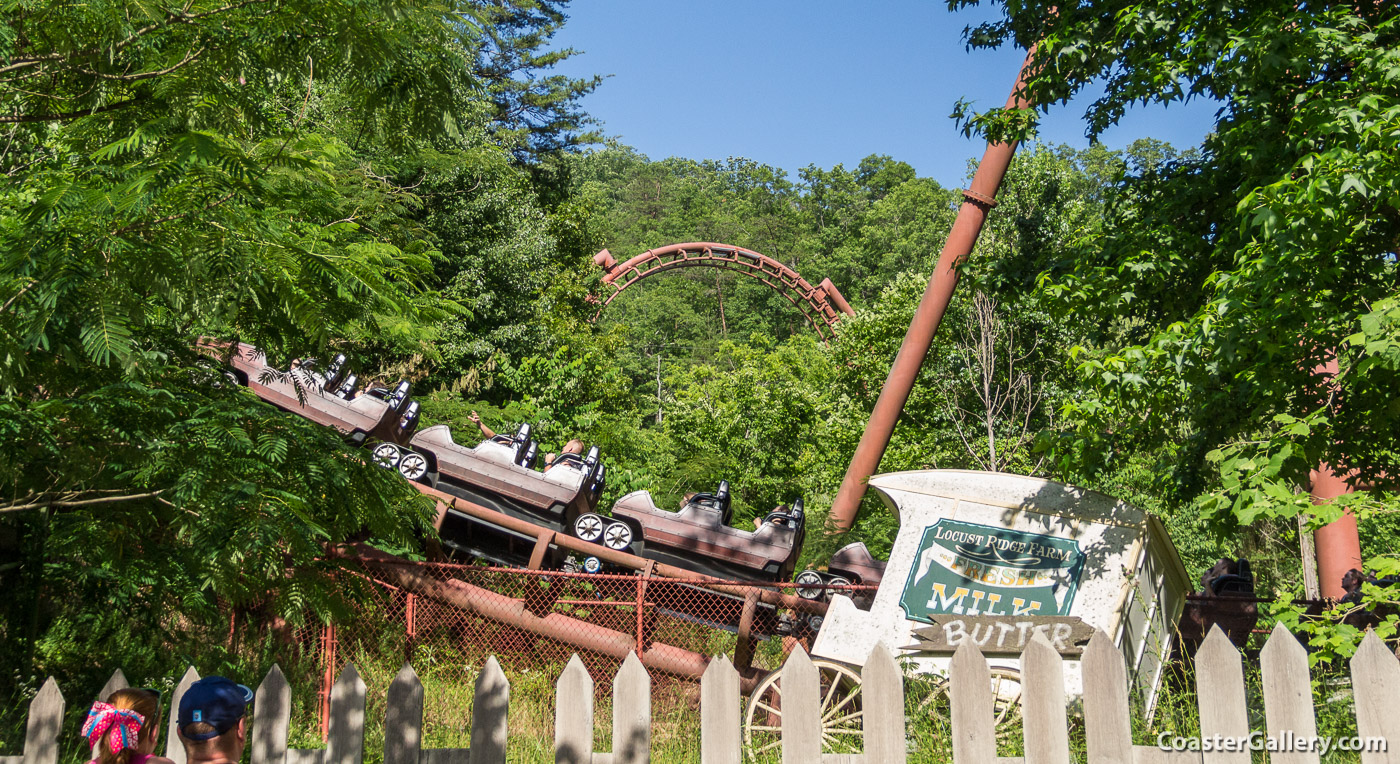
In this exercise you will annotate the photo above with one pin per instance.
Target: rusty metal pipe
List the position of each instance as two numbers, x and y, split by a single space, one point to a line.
1338 542
560 628
978 201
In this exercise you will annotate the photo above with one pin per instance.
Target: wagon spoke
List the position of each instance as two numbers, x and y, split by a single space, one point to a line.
763 748
831 691
851 717
844 701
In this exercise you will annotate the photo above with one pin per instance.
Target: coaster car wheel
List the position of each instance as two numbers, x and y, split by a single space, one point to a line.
413 466
386 455
808 585
589 527
617 536
838 581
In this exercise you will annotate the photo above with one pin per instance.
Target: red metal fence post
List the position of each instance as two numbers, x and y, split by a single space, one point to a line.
642 578
327 678
410 626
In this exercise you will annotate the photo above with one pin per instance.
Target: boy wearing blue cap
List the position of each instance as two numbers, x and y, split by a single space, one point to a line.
212 723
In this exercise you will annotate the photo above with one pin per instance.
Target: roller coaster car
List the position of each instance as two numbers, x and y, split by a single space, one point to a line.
498 473
1226 600
851 564
699 538
329 396
1361 617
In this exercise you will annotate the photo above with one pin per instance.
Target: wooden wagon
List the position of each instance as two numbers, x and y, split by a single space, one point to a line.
994 558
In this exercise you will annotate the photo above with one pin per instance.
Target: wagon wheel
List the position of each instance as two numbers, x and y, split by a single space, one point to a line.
842 728
1006 700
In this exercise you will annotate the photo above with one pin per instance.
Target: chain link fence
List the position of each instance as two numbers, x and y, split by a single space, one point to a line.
445 620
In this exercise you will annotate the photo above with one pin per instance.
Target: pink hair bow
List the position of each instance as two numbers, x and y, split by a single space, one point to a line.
122 726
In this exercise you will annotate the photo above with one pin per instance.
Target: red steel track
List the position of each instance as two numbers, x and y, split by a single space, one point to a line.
822 305
745 598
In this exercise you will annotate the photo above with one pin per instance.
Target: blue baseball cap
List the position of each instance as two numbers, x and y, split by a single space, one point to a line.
215 701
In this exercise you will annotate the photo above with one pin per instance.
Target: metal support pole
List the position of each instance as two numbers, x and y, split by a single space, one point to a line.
1338 542
978 201
642 578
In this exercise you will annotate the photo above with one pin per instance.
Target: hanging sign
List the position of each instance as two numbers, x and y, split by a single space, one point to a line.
969 569
1001 635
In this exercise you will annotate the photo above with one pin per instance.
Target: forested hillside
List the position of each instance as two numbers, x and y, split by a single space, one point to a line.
412 186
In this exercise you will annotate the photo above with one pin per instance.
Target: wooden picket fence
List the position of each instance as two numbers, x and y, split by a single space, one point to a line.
1287 698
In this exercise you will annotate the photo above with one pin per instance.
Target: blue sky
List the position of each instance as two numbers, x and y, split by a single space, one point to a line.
791 83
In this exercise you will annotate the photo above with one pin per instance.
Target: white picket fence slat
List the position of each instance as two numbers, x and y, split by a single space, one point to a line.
272 714
1108 730
1288 706
1220 696
720 734
1287 696
1375 686
173 749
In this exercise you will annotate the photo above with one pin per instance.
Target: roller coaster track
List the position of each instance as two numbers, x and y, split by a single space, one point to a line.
747 608
822 305
746 598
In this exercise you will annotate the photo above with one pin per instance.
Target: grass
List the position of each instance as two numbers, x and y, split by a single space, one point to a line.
448 654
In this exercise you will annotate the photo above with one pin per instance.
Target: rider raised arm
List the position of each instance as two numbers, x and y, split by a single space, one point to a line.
486 432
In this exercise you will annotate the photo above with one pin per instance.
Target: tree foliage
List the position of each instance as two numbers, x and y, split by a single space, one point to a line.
175 170
1242 299
534 114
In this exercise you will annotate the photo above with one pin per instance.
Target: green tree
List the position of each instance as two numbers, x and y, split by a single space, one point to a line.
1222 283
178 169
533 114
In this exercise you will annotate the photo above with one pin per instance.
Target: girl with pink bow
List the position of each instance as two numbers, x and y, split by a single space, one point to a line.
125 729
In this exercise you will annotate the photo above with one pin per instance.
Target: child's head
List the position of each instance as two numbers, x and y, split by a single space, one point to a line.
127 724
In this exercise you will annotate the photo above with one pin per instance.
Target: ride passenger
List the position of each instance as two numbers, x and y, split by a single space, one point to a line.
778 516
486 432
574 446
126 728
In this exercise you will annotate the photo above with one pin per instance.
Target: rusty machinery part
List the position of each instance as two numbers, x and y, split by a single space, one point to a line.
517 613
979 199
822 305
